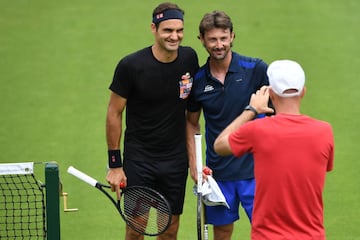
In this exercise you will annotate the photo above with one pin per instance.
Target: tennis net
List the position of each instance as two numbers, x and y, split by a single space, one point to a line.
22 203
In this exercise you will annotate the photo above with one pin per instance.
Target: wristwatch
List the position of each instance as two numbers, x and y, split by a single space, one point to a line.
251 108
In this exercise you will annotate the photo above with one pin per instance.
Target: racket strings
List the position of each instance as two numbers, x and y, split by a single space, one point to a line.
145 211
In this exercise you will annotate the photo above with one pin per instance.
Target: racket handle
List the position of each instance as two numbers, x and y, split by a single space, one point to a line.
198 152
82 176
198 155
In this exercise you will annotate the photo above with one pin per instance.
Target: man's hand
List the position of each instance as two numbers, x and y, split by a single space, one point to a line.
260 100
115 177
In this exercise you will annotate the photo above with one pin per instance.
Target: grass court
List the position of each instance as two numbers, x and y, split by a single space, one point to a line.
57 60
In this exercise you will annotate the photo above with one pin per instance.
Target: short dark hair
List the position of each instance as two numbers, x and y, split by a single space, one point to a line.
215 19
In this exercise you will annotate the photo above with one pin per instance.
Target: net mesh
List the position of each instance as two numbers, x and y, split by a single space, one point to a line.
22 207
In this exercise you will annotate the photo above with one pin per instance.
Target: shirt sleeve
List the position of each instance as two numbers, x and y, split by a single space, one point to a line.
240 141
193 105
121 84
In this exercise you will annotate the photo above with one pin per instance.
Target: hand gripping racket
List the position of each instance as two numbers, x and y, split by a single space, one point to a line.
144 210
202 227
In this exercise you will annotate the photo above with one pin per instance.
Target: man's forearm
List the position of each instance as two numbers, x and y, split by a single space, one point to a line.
113 131
221 145
192 128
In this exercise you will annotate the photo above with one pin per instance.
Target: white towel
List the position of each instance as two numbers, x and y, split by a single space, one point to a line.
212 194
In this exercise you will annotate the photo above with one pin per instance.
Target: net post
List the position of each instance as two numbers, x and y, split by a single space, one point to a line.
52 184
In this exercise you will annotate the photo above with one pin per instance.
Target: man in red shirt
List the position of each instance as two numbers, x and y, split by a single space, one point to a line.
292 153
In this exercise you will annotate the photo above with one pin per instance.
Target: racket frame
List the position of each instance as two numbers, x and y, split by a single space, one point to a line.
94 183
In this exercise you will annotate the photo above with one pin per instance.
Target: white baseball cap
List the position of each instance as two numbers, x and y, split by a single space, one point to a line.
284 75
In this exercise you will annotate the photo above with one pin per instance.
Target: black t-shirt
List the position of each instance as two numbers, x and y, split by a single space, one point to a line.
156 102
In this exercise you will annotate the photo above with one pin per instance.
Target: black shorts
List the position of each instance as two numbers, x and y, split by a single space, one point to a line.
167 177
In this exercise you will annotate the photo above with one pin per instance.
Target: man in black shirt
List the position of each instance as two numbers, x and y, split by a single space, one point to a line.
153 85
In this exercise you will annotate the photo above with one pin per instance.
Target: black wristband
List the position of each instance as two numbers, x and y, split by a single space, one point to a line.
251 108
114 159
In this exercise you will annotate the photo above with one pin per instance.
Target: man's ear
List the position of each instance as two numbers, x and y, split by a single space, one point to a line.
303 92
271 94
201 38
153 27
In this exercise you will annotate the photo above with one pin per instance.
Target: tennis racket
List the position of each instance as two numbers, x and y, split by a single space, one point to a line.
202 227
143 209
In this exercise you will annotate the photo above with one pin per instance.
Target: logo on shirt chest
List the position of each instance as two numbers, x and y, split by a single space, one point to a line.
208 88
185 85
